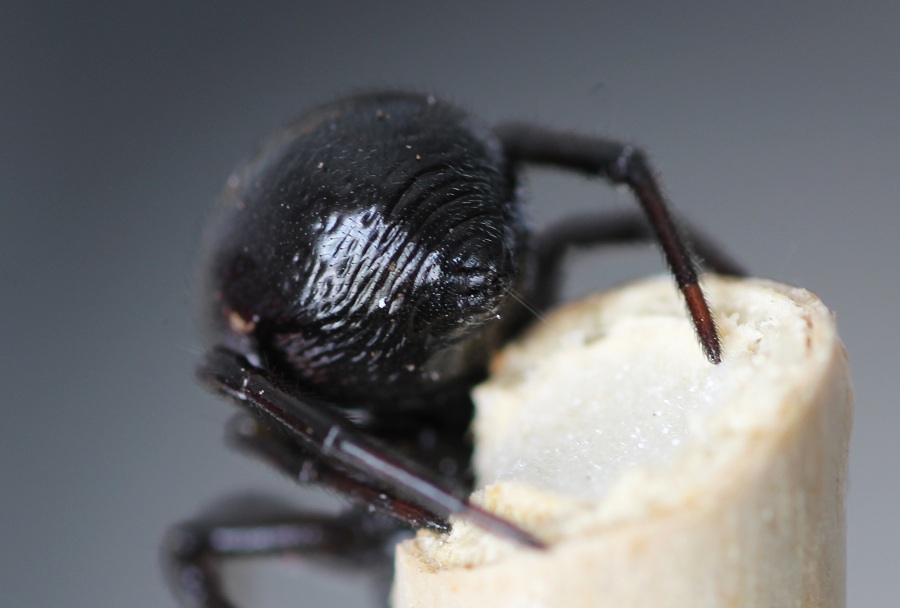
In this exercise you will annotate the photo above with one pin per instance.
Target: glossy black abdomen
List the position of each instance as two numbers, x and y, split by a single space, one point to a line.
368 250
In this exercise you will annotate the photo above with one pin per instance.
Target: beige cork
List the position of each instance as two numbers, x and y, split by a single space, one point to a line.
656 478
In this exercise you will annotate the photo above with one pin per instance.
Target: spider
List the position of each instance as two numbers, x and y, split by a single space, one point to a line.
361 269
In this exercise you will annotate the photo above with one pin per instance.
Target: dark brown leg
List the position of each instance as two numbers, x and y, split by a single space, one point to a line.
625 165
193 551
250 437
338 445
591 230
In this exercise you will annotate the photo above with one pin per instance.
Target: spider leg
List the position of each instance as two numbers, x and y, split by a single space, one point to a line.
593 229
249 436
339 445
621 164
193 551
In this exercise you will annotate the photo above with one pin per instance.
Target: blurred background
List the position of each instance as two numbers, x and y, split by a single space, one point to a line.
776 128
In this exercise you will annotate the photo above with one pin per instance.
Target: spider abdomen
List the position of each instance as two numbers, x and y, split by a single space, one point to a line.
368 249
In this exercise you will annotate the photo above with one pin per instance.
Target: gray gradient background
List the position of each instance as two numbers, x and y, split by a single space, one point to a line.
777 129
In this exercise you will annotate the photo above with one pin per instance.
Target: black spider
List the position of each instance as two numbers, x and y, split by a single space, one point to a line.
361 270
